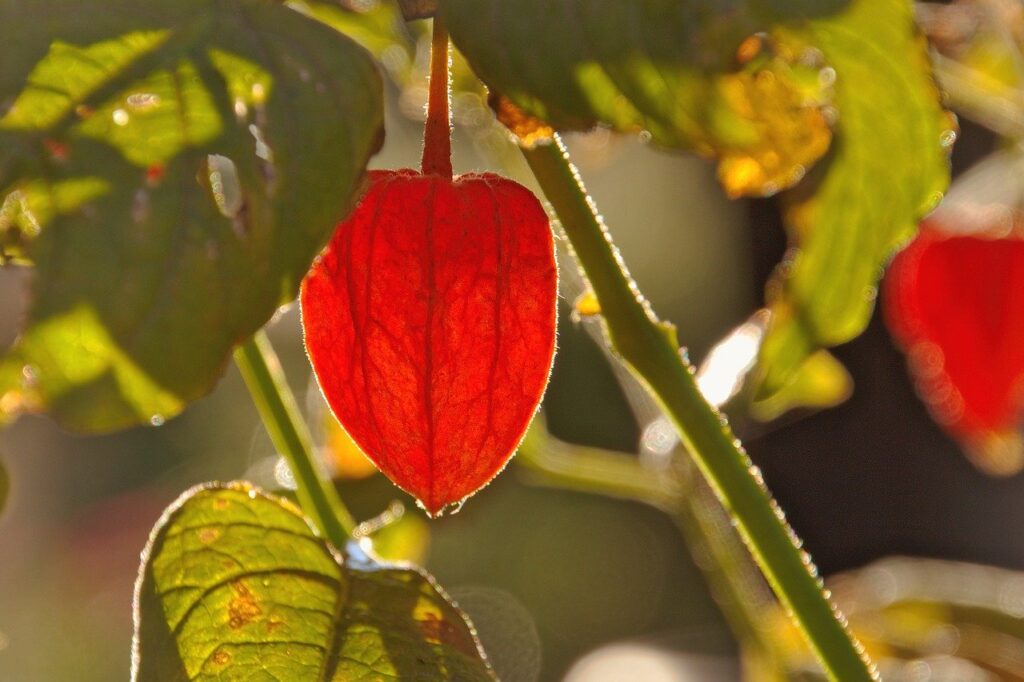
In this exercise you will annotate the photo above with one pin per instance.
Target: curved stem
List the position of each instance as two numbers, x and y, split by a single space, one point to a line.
649 348
437 134
319 500
567 466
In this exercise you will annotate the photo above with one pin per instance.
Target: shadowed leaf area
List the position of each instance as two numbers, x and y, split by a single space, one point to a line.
763 87
236 586
171 169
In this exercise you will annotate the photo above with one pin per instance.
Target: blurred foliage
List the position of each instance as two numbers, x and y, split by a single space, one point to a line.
236 584
820 382
155 153
977 57
923 619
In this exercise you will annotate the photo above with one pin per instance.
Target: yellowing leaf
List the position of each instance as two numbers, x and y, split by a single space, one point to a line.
793 131
820 382
688 76
235 585
888 167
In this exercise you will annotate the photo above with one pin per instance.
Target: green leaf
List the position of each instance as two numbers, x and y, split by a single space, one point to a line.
174 168
691 74
820 382
888 166
377 26
236 586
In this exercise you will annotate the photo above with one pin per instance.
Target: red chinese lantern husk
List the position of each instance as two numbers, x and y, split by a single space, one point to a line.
430 319
956 305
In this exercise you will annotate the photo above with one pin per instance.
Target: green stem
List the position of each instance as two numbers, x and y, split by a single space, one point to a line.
649 348
567 466
274 400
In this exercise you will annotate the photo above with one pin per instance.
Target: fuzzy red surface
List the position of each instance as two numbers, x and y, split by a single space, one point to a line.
956 305
430 324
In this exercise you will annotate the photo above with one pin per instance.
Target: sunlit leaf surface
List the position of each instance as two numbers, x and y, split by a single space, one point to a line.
236 586
690 75
171 169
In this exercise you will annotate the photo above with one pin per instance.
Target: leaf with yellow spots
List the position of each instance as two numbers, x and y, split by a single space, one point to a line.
783 99
235 585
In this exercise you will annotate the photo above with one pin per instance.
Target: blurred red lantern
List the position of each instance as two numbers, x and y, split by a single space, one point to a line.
955 302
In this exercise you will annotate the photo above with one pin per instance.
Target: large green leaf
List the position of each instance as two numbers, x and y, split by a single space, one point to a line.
236 586
888 166
674 67
182 163
683 71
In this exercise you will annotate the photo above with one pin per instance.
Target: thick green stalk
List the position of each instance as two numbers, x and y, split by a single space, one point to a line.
650 349
274 400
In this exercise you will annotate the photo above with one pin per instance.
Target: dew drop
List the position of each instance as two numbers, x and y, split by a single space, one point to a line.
241 110
659 438
947 138
262 148
827 77
225 185
283 475
29 375
120 117
157 420
141 101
